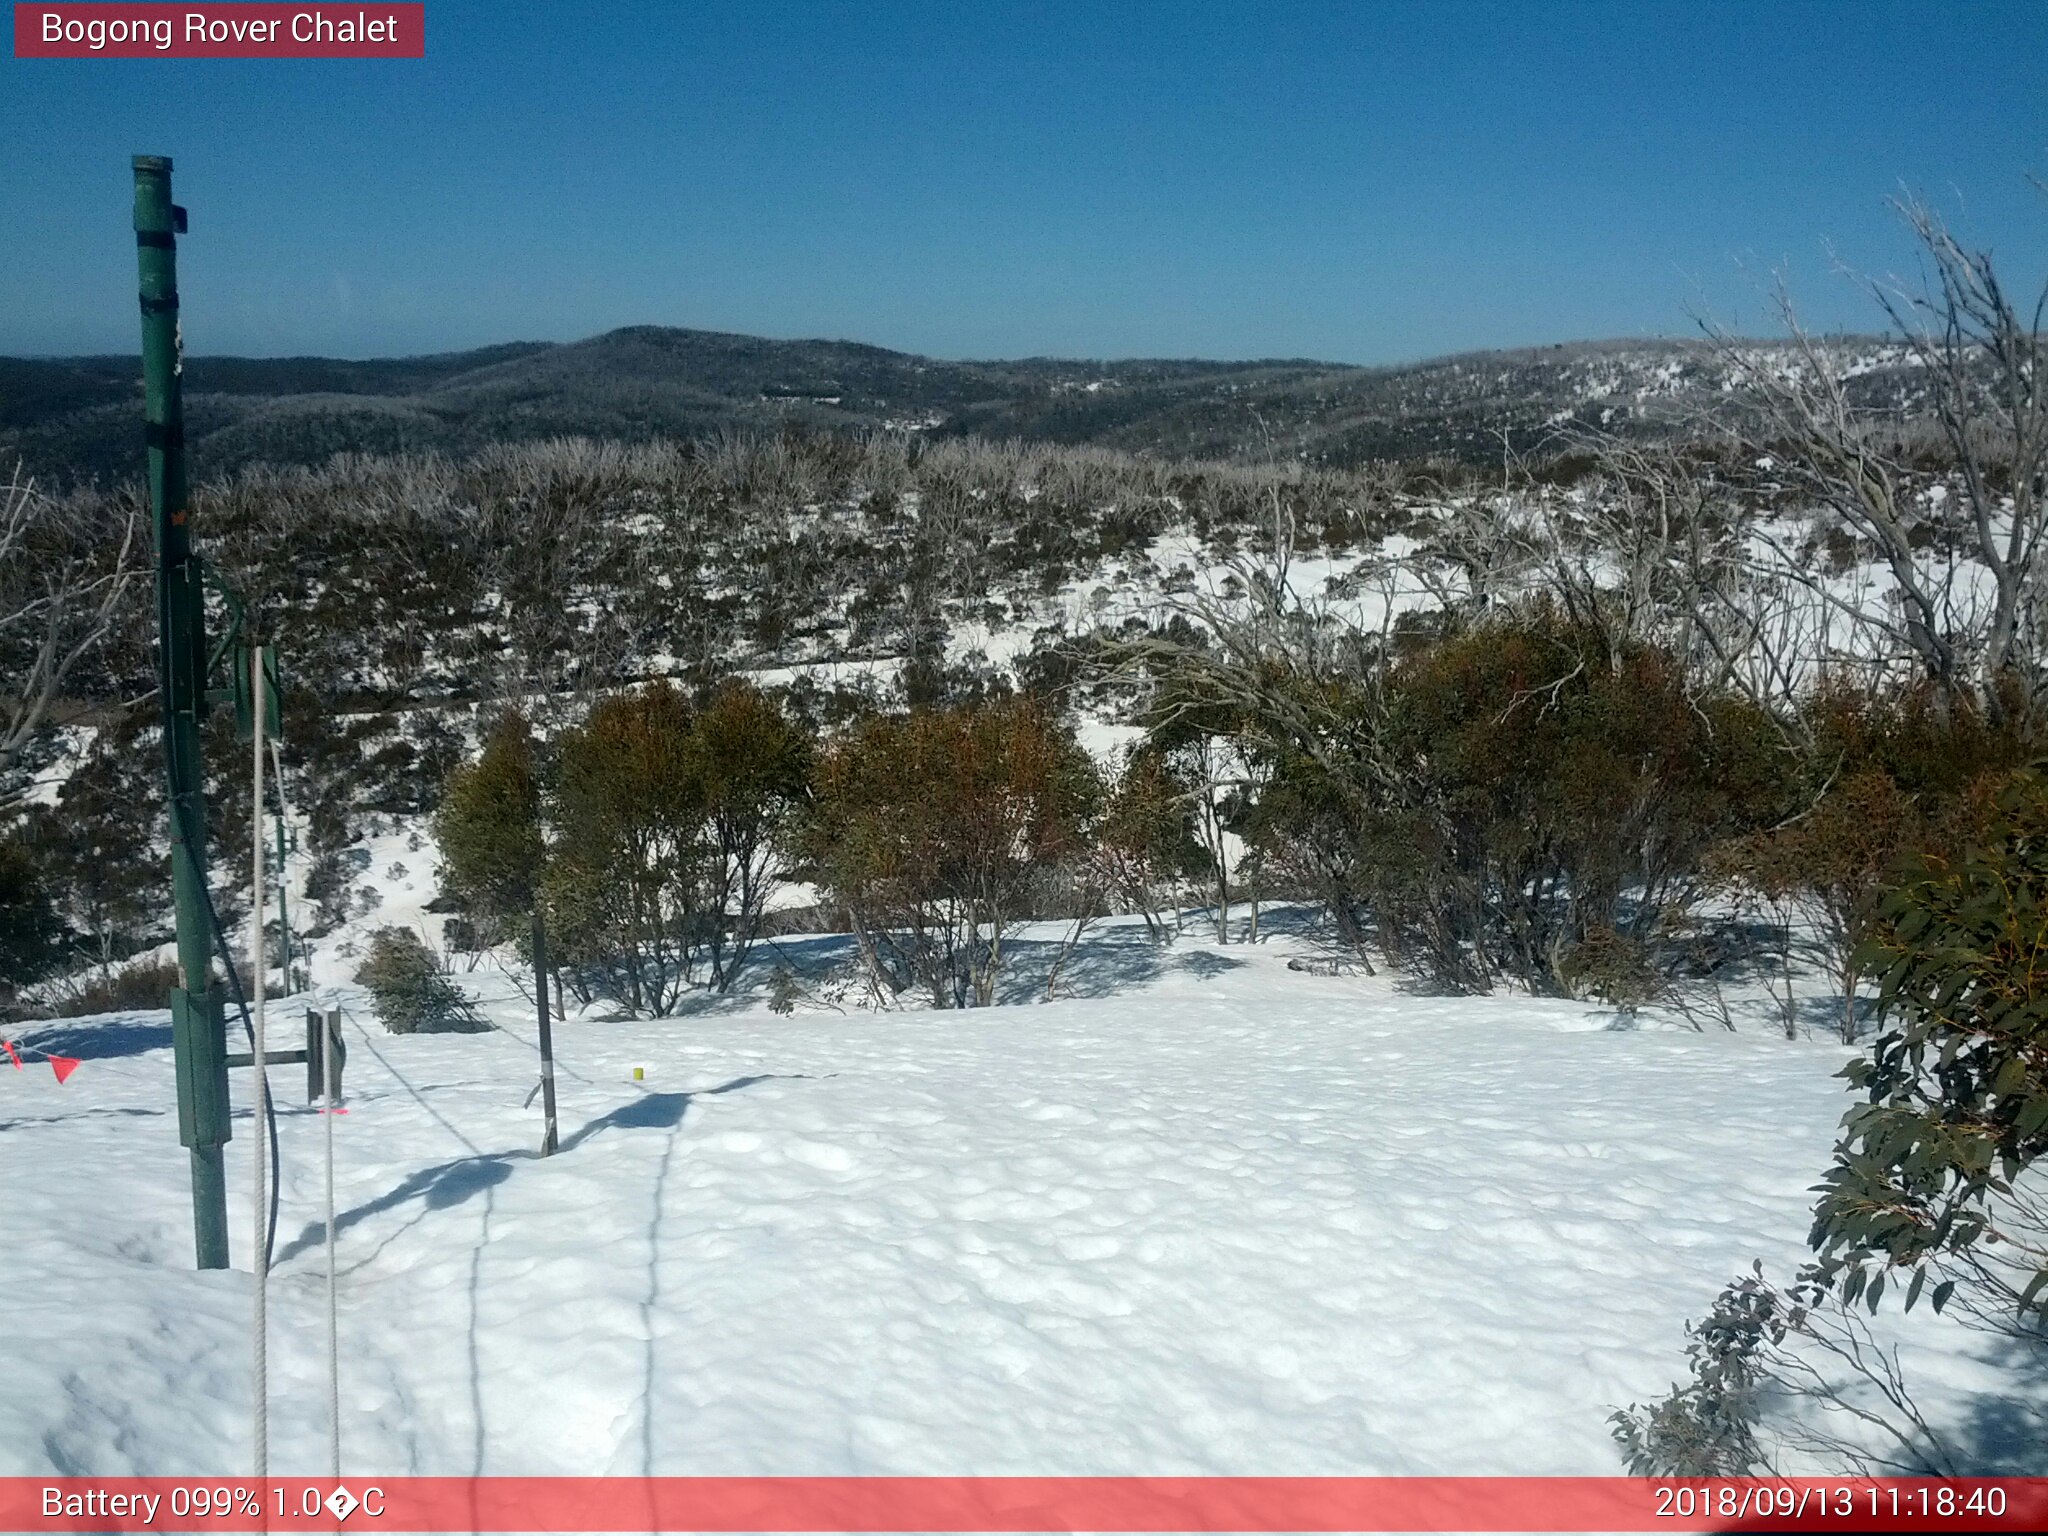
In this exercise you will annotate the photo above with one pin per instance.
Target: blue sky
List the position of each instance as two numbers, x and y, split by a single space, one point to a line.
1358 182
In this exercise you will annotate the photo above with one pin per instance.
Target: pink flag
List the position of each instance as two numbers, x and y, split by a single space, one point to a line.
63 1066
14 1053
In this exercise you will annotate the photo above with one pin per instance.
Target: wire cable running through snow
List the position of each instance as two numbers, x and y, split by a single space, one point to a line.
227 960
258 974
327 1035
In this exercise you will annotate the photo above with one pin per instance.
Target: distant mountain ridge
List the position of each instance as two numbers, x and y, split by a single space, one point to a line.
72 418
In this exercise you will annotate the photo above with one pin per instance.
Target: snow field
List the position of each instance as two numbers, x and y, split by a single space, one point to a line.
1237 1220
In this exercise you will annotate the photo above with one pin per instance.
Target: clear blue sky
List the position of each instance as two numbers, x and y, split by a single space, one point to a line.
1360 181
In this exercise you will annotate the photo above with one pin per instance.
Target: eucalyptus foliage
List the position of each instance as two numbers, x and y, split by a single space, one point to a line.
1930 1168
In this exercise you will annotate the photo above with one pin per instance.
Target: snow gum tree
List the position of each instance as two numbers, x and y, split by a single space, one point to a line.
488 827
932 830
1204 751
1964 571
754 764
1877 780
1145 839
67 568
625 870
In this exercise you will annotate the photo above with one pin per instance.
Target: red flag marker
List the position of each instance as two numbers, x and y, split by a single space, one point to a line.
14 1053
63 1066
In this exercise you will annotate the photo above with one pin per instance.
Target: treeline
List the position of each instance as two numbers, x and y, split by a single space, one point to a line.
407 593
653 836
574 563
1526 797
74 419
1518 797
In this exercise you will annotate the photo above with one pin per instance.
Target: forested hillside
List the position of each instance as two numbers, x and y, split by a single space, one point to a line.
73 418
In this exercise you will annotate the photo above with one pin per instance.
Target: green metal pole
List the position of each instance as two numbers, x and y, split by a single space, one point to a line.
198 1021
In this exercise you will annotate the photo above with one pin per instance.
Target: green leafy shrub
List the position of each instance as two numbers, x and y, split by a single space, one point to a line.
488 828
932 830
1708 1427
1934 1179
1929 1170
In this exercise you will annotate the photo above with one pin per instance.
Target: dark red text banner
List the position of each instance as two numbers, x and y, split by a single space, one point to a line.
1023 1504
112 31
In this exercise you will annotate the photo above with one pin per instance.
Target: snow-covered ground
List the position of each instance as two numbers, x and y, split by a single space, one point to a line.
1213 1215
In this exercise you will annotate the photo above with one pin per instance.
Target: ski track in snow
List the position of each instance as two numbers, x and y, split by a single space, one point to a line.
1236 1220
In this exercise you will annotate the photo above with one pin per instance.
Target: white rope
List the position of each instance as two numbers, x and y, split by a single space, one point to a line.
330 1026
260 1263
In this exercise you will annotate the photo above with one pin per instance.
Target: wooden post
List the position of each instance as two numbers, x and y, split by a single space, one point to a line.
547 1037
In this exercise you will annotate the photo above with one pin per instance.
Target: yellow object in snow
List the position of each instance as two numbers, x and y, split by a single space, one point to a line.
639 1074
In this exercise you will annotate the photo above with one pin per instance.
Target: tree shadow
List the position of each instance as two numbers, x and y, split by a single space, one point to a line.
2001 1434
1296 920
1820 1014
811 959
2004 1437
1106 961
1109 959
1207 964
437 1188
128 1035
2005 1433
662 1111
451 1183
96 1112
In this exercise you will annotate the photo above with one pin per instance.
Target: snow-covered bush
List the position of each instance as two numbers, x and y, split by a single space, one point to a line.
408 991
145 983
